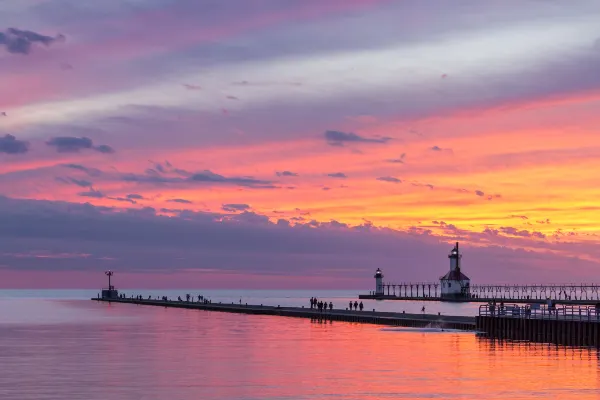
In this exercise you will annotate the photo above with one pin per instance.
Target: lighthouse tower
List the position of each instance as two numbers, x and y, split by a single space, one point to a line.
378 283
455 284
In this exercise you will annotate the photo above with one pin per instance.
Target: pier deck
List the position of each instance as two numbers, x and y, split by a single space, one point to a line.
368 317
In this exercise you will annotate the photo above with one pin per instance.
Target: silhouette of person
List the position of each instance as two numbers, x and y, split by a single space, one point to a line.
350 304
355 305
361 306
330 305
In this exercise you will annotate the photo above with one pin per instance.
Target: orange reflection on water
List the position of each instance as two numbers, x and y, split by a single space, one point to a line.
220 355
86 350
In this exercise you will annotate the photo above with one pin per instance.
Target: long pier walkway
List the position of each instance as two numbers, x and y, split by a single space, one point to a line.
367 317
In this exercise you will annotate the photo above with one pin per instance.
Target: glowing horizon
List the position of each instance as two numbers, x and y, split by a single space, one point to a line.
356 133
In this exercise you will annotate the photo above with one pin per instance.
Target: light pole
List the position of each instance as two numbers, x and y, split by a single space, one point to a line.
109 274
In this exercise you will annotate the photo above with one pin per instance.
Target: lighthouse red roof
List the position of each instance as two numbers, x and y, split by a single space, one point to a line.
455 275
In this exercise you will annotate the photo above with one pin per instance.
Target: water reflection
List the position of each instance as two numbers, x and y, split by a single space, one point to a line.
135 352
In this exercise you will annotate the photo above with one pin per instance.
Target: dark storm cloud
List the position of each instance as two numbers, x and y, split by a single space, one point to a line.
390 179
232 207
340 175
72 144
18 41
285 173
11 145
135 196
337 138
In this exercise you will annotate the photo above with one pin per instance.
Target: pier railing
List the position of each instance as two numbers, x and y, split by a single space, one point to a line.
569 313
566 291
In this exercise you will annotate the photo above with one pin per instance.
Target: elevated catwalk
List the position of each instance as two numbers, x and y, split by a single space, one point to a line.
456 286
559 294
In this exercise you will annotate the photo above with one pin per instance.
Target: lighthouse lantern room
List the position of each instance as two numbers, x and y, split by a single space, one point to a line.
379 283
455 284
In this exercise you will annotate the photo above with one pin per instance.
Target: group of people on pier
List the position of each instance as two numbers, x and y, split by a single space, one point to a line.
320 305
188 298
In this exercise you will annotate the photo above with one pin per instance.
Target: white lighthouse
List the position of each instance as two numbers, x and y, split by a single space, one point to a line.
455 284
378 283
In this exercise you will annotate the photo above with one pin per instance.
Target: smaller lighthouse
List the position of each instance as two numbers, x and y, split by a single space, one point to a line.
455 284
378 283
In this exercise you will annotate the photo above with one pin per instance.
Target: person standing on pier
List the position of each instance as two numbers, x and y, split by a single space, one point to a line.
355 305
361 306
330 305
350 305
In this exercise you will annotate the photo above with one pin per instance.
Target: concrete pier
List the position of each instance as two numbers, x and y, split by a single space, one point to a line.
365 317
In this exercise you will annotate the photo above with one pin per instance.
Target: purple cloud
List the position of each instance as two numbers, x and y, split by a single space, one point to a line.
19 41
11 145
232 207
390 179
70 144
337 138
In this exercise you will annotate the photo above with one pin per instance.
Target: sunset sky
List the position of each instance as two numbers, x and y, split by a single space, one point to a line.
298 143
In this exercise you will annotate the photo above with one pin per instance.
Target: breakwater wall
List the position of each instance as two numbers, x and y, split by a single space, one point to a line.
563 325
556 331
365 317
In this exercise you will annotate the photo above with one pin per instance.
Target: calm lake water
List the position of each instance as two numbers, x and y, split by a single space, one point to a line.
57 345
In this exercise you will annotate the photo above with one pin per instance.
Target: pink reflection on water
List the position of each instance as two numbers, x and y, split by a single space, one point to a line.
125 351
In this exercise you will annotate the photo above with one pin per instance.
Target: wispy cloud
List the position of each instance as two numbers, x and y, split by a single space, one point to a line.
70 144
337 138
390 179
